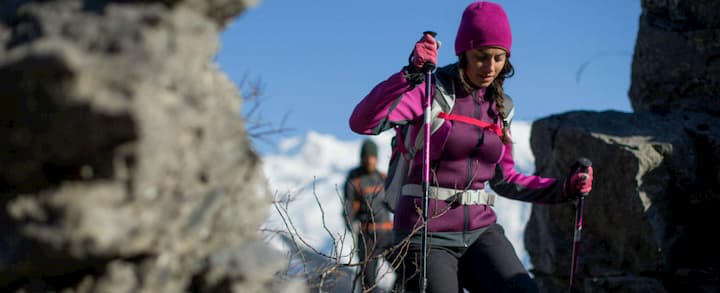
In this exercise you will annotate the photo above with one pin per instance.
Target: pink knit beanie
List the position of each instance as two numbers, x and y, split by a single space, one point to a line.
483 24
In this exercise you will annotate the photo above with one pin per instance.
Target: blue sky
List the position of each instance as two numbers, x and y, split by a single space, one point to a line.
317 59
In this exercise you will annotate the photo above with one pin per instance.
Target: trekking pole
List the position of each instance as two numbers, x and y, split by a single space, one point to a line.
582 164
428 68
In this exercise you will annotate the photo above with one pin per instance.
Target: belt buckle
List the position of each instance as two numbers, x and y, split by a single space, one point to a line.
455 199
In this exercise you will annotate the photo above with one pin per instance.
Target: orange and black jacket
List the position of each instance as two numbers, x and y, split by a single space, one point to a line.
364 200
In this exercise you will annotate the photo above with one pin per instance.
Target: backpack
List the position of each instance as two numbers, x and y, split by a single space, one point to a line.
404 147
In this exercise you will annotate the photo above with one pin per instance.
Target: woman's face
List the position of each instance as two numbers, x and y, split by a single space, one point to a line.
484 65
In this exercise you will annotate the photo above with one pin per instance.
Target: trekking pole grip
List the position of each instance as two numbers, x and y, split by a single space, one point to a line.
432 33
583 164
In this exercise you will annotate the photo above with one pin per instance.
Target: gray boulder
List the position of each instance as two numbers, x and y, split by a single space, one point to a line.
126 164
649 220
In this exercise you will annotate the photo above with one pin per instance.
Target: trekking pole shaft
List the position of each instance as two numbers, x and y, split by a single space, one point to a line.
426 175
582 164
428 67
576 239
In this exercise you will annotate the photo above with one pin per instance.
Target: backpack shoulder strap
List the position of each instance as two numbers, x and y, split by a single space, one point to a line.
444 98
443 101
509 109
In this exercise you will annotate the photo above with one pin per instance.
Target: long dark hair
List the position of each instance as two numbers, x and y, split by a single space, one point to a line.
494 91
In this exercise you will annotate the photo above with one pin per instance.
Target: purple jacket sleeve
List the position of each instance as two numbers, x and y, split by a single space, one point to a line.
530 188
393 101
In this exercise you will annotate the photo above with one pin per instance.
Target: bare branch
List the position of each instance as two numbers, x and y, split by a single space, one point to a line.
334 266
252 95
585 64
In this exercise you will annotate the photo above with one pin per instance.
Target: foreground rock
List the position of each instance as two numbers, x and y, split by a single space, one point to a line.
126 165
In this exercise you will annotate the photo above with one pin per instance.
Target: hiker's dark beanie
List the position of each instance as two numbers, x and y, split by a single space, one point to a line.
369 148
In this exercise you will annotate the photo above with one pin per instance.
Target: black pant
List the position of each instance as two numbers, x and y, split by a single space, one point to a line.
371 245
488 265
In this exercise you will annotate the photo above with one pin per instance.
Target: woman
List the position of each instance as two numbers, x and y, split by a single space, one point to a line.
467 248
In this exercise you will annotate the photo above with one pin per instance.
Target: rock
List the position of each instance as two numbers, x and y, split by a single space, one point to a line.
676 65
126 164
657 171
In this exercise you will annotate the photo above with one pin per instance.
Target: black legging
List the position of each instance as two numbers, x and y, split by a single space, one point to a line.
488 265
371 245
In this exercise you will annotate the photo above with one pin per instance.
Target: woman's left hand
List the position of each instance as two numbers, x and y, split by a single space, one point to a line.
579 182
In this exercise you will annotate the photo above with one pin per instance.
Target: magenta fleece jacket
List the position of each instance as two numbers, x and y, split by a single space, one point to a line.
463 156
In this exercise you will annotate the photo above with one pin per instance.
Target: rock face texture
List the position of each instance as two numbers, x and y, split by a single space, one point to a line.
126 166
649 221
676 65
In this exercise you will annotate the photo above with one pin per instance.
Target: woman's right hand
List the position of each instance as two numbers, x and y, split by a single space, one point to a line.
426 51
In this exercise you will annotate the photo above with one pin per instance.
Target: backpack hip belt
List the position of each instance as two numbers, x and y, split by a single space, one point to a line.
371 226
450 195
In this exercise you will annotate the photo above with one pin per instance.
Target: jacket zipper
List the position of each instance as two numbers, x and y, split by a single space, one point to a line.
476 110
466 211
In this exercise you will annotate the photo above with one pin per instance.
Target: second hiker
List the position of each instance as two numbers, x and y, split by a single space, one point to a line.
367 214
